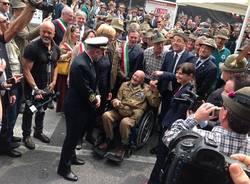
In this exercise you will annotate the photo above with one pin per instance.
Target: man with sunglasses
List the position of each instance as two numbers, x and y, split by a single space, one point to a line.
8 32
5 8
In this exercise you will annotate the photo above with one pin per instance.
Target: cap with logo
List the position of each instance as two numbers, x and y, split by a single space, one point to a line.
238 102
97 42
232 65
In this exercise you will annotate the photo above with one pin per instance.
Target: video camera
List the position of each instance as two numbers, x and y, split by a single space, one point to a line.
44 5
191 99
197 160
37 105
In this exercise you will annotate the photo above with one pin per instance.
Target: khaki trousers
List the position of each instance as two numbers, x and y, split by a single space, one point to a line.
110 117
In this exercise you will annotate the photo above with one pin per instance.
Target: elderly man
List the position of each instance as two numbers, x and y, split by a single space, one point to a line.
7 32
62 23
130 104
154 56
205 69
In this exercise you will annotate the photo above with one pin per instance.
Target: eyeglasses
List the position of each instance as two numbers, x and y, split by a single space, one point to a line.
6 4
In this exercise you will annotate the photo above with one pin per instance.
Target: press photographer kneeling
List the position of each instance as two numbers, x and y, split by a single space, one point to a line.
232 134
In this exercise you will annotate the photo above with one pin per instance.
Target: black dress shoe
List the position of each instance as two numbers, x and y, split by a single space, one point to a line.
14 145
11 153
68 175
77 161
29 143
16 139
42 137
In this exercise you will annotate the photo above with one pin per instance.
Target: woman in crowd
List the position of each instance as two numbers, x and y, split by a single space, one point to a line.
185 75
70 39
79 48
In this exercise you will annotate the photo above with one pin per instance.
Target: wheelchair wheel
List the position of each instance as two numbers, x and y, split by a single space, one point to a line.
145 128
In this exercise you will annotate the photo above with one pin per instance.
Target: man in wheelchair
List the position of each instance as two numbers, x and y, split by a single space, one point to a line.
132 100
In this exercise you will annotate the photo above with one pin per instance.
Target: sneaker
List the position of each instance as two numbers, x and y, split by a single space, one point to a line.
42 137
29 143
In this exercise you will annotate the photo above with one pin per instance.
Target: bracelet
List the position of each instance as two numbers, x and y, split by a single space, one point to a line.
35 88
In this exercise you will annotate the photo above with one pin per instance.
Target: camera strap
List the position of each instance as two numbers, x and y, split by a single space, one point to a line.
49 67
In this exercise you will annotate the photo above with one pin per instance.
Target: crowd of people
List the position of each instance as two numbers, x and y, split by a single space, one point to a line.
97 54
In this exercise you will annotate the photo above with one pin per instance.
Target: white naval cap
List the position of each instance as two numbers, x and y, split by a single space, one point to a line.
98 42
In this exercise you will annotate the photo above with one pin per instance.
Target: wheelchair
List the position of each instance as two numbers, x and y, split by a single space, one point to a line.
139 135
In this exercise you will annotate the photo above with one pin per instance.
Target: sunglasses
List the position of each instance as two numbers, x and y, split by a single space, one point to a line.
6 4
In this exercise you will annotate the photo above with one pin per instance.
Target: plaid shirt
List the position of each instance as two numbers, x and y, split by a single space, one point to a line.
151 62
229 142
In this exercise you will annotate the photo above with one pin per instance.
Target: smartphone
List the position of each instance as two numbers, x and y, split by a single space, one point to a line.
11 80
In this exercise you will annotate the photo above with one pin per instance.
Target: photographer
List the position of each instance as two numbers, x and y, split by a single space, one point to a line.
232 135
236 172
40 72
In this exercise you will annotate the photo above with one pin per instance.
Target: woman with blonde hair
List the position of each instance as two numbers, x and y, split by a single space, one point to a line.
70 39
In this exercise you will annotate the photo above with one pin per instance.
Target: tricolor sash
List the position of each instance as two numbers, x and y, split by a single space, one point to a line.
61 25
125 58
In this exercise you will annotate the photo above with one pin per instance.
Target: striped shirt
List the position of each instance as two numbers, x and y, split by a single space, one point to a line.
229 142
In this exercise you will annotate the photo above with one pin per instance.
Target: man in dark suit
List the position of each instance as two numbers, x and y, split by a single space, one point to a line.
132 49
166 82
62 23
80 102
205 69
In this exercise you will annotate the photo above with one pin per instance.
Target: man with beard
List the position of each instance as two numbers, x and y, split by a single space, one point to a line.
80 102
40 71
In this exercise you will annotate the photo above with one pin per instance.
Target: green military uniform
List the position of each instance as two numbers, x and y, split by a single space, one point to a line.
116 63
135 101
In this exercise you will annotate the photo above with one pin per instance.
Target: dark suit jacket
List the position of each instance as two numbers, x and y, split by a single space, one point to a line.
205 78
135 59
59 33
177 109
82 84
168 66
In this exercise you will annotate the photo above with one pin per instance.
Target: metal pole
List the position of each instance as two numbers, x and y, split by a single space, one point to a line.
243 28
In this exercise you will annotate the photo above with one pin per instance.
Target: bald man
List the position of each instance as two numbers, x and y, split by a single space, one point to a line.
61 24
129 106
40 71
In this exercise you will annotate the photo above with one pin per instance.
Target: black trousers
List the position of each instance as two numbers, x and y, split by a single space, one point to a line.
77 120
161 156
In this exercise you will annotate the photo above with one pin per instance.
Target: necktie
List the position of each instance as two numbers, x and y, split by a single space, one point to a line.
175 61
198 63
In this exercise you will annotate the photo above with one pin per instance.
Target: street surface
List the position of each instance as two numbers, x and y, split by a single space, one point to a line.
39 166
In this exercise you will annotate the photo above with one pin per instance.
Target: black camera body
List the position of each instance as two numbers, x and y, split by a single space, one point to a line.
191 99
198 161
37 105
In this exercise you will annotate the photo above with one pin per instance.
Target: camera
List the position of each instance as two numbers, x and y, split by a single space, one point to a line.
35 105
197 160
190 99
45 6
